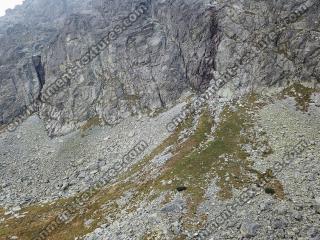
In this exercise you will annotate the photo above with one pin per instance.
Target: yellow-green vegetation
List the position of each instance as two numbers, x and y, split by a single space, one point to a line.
132 98
276 187
301 94
197 160
92 122
271 184
183 170
204 155
157 112
2 127
172 140
101 204
155 235
37 217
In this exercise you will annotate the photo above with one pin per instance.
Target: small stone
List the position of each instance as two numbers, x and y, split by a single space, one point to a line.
281 210
279 224
316 205
173 207
249 229
16 209
7 213
65 186
131 134
296 230
87 223
4 185
98 230
265 206
80 162
82 174
176 227
297 216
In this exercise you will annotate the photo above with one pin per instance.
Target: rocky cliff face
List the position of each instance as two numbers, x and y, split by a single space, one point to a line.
168 49
269 43
172 46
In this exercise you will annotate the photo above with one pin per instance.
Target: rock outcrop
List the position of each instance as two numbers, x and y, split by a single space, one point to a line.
170 48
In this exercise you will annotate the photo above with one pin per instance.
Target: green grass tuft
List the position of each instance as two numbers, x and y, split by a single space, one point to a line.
301 94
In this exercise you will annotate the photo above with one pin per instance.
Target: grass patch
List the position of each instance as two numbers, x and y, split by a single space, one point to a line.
277 188
92 122
223 157
184 171
2 128
301 94
132 98
101 204
38 217
153 236
194 163
197 160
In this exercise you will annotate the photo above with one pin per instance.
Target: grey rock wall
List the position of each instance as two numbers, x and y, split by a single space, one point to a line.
171 48
174 46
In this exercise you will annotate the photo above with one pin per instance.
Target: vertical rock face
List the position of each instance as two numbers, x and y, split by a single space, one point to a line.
24 33
281 39
172 46
168 49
